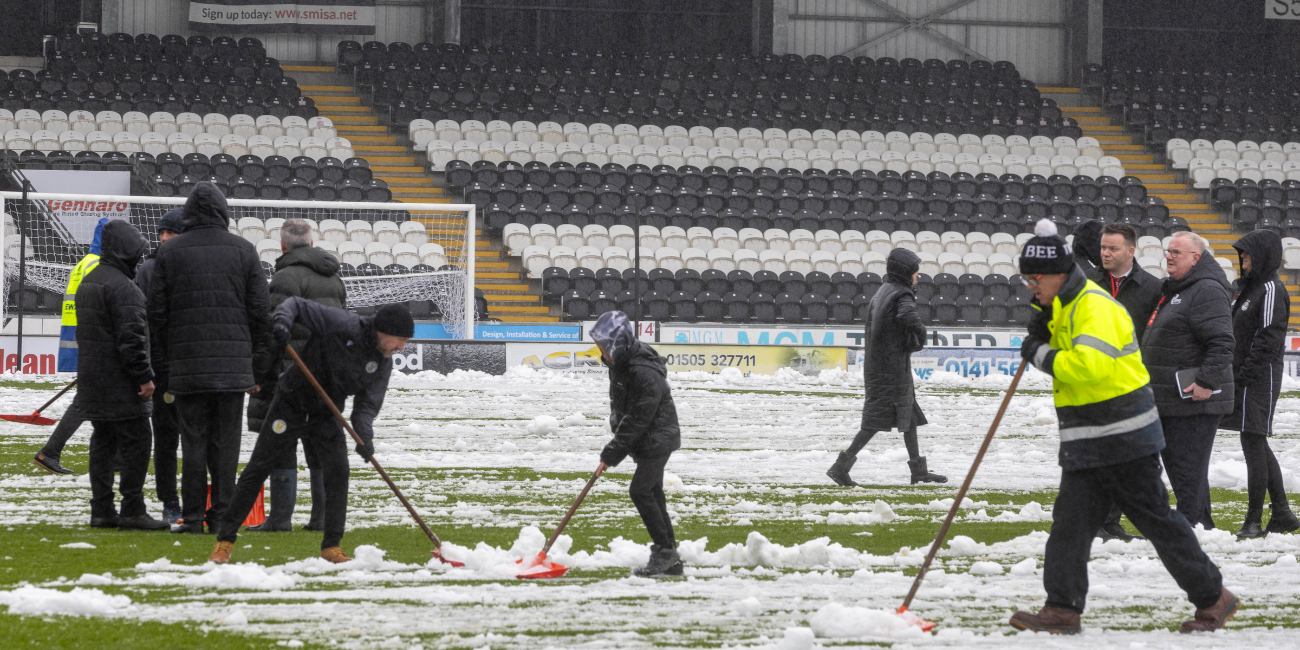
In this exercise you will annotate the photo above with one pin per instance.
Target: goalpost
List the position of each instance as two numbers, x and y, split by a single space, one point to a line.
59 228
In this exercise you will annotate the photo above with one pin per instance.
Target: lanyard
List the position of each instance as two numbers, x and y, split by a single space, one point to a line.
1157 311
1115 285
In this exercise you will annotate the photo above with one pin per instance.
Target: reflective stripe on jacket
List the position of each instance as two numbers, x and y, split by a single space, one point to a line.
68 320
1101 390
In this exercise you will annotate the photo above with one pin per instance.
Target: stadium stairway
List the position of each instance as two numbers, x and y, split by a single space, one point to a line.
1173 186
511 297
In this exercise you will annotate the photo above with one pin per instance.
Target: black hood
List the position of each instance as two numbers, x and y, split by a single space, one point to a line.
311 257
206 207
1087 242
644 355
122 246
901 265
1206 268
1265 250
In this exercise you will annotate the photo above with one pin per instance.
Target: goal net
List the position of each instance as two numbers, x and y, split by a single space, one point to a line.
390 252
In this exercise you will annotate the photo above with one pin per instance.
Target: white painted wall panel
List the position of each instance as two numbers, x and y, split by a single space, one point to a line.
1038 52
392 23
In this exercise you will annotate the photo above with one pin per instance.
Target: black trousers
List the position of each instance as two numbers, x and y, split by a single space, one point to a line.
210 429
68 424
1082 505
166 438
322 435
131 438
1262 474
1189 439
647 492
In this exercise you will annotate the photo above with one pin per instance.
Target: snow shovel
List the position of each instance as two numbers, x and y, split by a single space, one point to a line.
35 417
540 567
437 543
925 625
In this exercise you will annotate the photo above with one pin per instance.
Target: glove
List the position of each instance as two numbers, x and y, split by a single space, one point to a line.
366 450
280 332
1037 353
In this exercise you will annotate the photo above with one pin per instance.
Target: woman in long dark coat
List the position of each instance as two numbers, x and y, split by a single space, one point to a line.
894 332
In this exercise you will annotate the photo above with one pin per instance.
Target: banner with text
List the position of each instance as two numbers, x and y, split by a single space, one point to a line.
521 332
78 218
730 335
648 333
1282 10
40 354
267 17
585 357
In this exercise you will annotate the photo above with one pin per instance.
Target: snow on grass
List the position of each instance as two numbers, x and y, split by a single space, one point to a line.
794 562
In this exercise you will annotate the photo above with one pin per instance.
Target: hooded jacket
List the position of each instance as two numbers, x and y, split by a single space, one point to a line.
1087 245
343 355
641 406
893 332
208 302
1261 310
1191 327
306 272
113 331
142 277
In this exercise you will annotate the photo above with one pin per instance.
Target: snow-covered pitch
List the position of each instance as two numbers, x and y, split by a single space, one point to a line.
754 454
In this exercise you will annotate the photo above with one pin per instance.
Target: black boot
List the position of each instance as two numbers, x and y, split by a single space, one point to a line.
663 562
921 474
1282 520
284 494
50 464
1113 530
317 502
839 472
141 522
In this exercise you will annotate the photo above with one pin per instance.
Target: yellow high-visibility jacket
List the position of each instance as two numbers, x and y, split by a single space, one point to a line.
1101 390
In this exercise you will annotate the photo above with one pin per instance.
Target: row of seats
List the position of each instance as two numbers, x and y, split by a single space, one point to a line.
357 253
112 122
686 89
178 143
1180 152
269 187
358 231
423 131
440 153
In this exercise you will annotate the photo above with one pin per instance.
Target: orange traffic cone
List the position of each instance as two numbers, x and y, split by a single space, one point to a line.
255 516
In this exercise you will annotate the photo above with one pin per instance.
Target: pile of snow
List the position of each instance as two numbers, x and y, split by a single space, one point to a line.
986 569
543 425
796 638
77 545
574 420
35 601
836 621
236 618
880 513
1031 512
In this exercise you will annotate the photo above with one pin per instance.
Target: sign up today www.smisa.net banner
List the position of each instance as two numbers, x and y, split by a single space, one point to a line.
268 16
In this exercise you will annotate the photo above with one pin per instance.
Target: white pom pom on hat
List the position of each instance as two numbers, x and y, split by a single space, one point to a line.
1045 228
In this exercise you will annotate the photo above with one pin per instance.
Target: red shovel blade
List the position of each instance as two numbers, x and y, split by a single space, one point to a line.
540 568
34 418
908 616
437 553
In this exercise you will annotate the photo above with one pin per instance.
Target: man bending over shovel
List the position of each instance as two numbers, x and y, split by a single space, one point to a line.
644 420
349 355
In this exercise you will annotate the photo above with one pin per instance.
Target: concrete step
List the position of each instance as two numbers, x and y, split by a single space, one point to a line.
1095 128
351 119
1072 110
527 319
308 68
307 90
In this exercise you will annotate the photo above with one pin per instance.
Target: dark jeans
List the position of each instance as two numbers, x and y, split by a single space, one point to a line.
647 492
1082 505
68 425
131 437
210 429
322 436
166 438
1189 439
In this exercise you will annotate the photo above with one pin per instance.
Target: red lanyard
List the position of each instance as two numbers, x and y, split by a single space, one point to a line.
1114 285
1157 311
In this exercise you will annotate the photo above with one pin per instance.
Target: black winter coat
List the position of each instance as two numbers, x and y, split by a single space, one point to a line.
306 272
208 302
343 355
1192 328
1261 310
142 277
894 332
113 331
1139 291
639 398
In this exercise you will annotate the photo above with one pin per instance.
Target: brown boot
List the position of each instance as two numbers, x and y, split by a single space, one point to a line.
1056 620
1213 617
221 554
334 554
